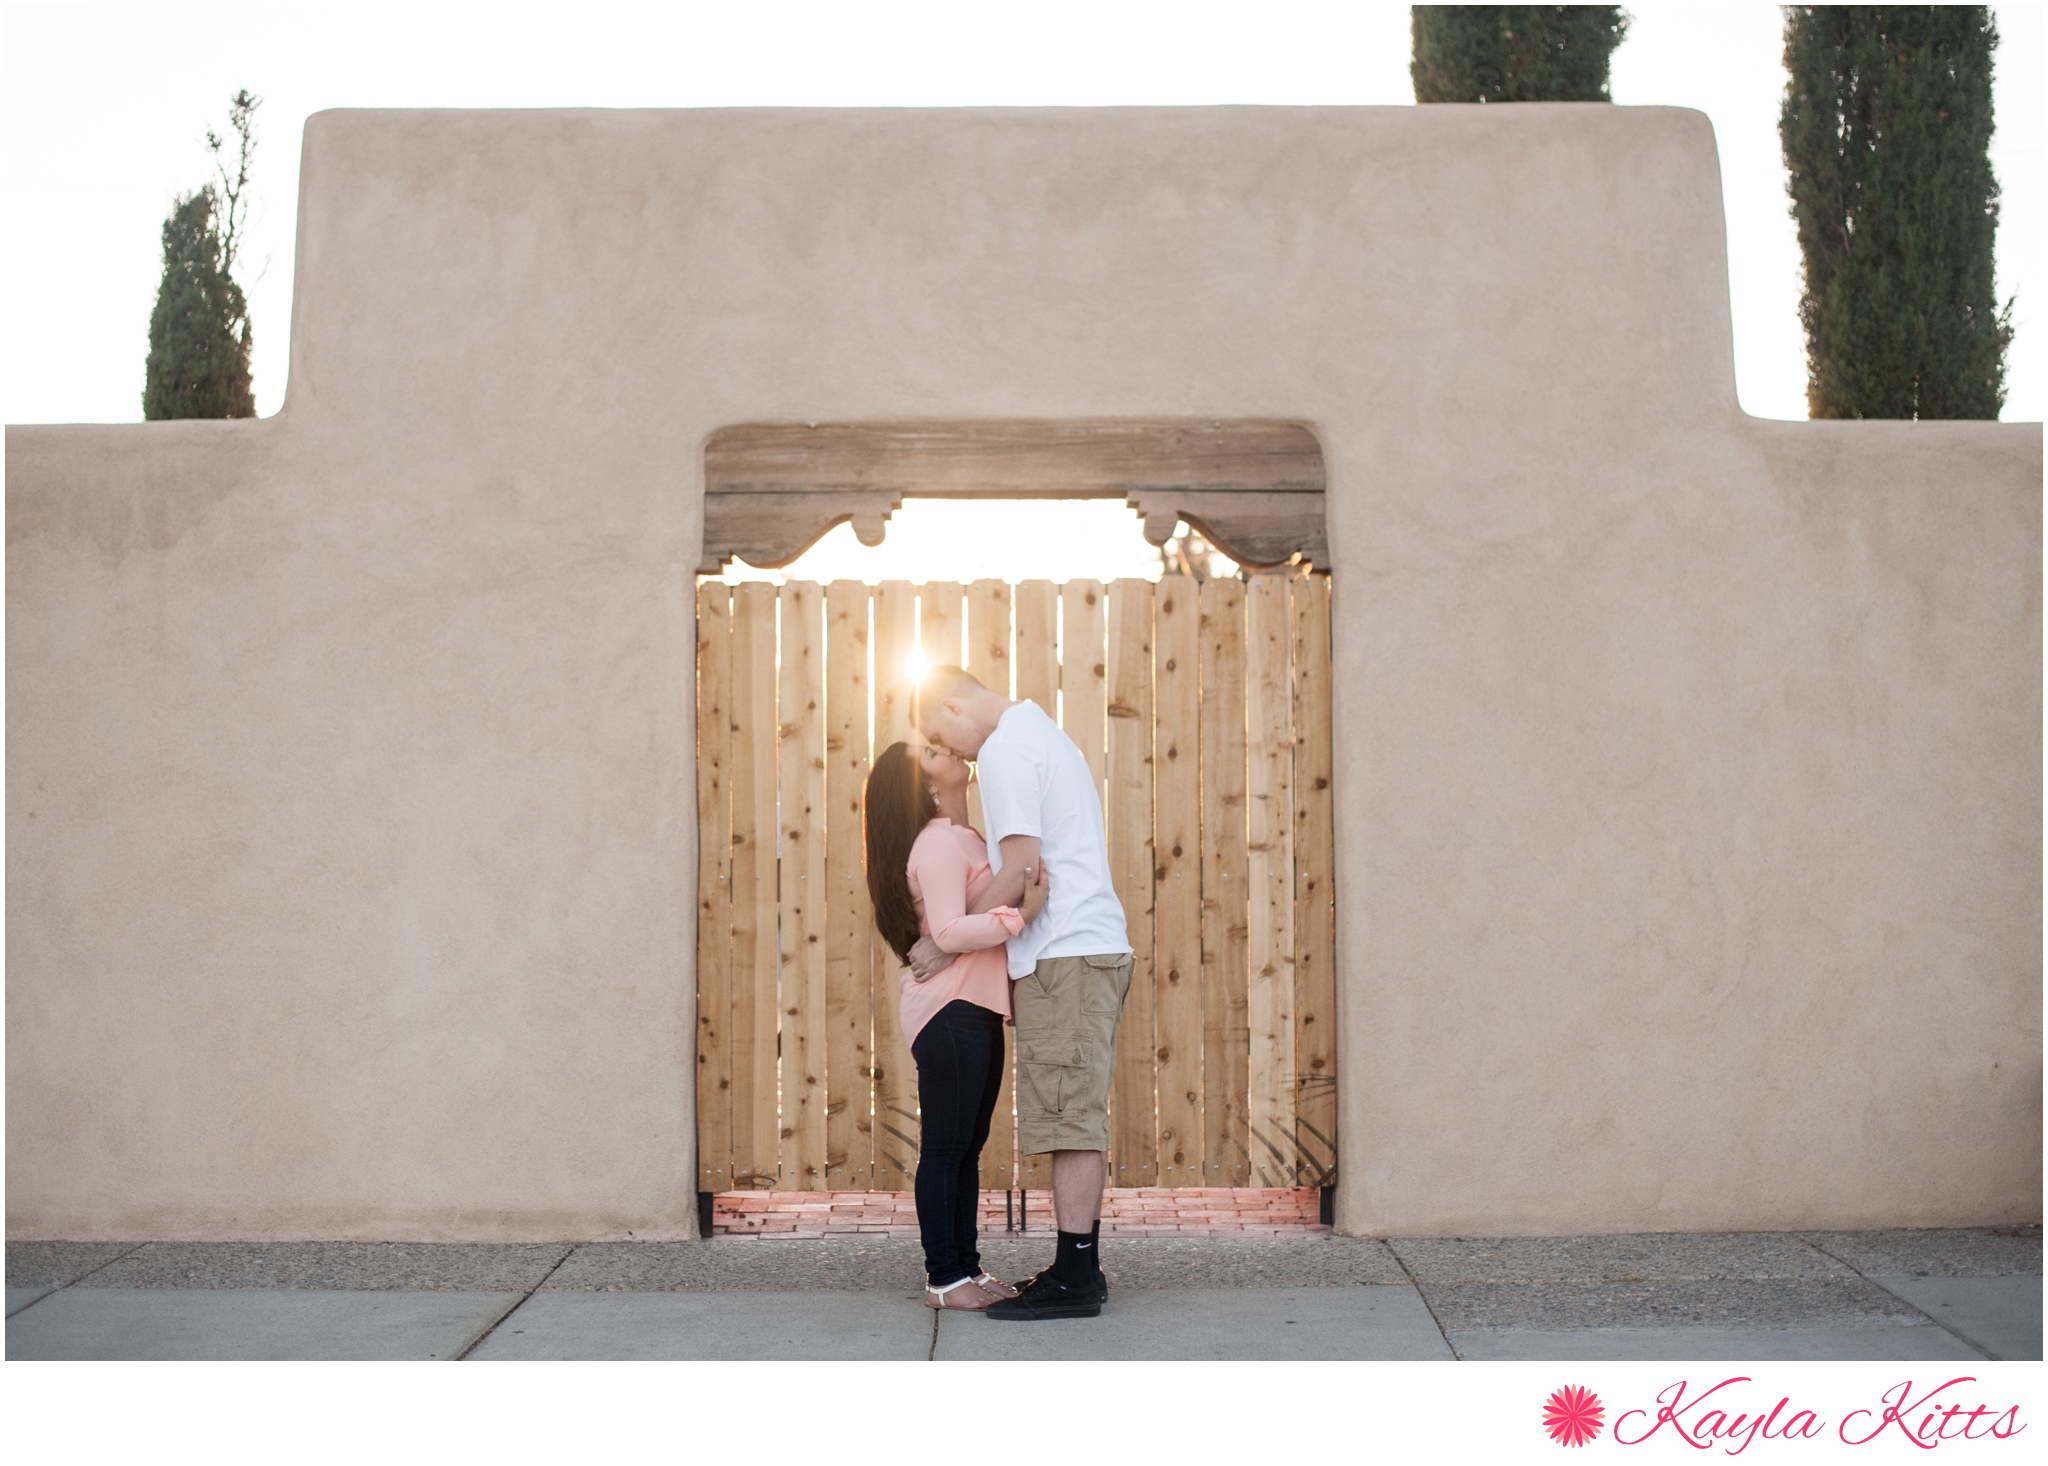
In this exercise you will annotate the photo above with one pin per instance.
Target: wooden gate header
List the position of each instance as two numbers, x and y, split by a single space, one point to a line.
1253 487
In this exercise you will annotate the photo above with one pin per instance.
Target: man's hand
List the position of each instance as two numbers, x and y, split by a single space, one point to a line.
928 959
1037 886
1020 853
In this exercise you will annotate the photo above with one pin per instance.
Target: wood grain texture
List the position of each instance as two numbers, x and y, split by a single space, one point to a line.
1258 530
755 1117
1270 876
1226 1039
714 887
941 622
895 1120
768 530
988 658
988 634
1315 912
1084 672
801 741
895 637
849 1017
1134 1139
1022 458
1177 878
1035 610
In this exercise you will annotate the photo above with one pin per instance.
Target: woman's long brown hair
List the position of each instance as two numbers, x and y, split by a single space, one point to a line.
895 806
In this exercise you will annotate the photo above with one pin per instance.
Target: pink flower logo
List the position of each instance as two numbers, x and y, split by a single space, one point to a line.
1573 1415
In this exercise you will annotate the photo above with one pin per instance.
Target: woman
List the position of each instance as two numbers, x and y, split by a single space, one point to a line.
925 868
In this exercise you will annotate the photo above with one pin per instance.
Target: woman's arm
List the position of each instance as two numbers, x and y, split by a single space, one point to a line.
1020 866
939 869
928 958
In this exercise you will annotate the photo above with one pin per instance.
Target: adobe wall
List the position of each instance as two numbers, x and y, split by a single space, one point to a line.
1688 798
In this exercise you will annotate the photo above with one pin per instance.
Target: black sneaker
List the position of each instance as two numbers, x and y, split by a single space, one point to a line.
1045 1296
1101 1284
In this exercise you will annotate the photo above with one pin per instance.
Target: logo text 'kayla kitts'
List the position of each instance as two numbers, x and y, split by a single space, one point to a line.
1710 1418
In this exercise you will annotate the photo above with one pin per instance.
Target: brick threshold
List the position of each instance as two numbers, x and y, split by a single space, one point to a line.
1196 1211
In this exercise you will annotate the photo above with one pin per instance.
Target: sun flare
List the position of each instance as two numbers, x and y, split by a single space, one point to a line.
915 666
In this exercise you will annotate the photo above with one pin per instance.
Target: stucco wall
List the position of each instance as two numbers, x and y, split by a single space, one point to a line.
1689 766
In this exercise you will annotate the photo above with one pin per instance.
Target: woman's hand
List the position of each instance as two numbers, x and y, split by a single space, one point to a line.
1037 885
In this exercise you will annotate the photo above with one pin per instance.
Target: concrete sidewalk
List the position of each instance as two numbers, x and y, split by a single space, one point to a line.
1951 1295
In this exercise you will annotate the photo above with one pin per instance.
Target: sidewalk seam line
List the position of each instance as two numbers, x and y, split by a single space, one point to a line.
1960 1338
1413 1282
477 1342
76 1281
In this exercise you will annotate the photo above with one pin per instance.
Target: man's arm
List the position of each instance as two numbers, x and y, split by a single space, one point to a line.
1020 856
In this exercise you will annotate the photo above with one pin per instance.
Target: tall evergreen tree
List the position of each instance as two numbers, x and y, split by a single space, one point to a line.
199 333
1513 53
199 336
1887 132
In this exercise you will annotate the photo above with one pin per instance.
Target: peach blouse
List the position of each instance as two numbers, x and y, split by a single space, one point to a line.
948 869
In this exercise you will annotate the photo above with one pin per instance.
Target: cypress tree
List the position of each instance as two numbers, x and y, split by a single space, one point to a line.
199 335
1513 53
1887 131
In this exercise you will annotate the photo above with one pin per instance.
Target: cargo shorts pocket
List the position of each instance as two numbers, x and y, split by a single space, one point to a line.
1109 986
1051 1070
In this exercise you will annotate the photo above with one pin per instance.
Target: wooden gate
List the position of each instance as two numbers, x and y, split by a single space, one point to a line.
1204 710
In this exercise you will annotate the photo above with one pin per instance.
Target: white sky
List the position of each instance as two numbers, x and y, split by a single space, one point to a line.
106 108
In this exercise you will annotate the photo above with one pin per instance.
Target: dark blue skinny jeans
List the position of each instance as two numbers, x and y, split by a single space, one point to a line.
959 1057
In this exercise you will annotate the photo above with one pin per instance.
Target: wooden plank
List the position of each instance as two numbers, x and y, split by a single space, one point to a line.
1035 607
988 634
988 658
1315 911
941 618
1177 877
849 1016
1225 1037
754 1034
1134 1137
1084 672
895 638
714 887
895 1127
801 740
1083 699
1063 458
1269 956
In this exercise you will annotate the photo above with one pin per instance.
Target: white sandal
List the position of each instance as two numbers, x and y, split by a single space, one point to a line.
937 1297
995 1286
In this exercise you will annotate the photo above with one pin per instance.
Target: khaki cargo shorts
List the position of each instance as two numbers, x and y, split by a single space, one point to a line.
1067 1011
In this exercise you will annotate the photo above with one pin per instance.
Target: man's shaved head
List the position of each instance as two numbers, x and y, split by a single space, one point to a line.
954 711
942 681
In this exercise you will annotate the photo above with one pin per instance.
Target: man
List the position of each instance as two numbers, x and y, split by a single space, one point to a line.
1070 969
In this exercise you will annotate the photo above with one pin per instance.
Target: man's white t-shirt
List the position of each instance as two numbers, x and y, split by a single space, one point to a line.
1035 782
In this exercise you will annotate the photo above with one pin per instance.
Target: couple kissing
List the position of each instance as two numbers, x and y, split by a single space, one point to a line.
1024 929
